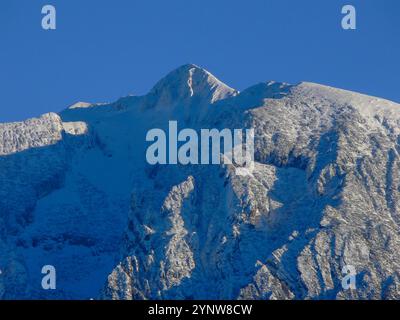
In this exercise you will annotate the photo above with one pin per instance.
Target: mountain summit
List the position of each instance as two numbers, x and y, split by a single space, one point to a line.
77 193
187 84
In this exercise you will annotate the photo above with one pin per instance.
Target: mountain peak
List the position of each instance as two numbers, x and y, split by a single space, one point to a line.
189 82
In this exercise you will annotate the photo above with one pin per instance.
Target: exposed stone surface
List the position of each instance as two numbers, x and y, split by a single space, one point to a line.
76 192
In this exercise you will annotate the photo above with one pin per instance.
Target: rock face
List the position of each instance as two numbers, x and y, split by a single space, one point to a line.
77 193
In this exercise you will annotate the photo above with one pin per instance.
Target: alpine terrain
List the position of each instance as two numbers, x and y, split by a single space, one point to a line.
77 193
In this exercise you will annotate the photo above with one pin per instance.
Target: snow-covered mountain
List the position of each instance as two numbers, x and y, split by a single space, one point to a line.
76 192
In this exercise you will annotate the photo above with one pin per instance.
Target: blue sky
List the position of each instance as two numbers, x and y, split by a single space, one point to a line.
102 50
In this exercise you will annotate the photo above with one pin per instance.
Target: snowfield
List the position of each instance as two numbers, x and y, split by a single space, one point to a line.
76 192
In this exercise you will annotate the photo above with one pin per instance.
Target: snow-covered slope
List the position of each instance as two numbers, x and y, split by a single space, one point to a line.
77 193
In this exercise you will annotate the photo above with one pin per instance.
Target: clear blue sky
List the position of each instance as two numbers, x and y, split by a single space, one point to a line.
102 50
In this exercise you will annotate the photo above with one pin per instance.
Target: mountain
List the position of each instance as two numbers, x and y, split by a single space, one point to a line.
77 193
